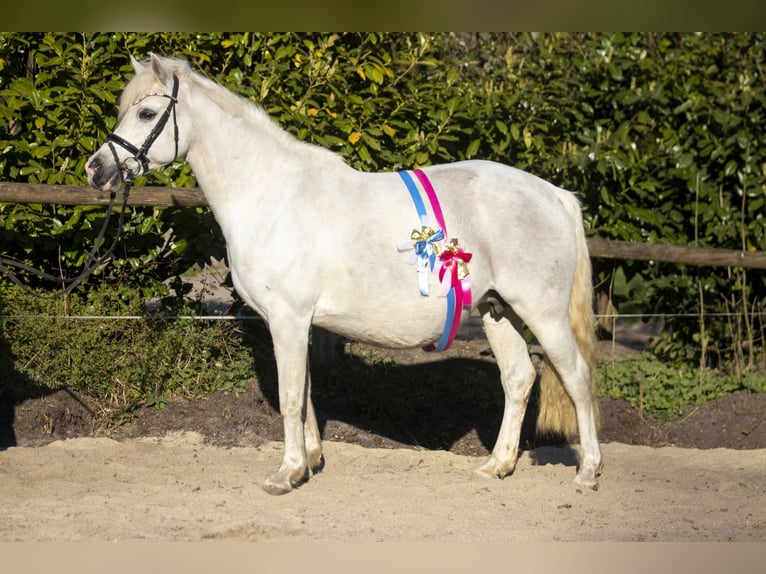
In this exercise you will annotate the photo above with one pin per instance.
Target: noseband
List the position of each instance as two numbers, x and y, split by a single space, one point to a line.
139 154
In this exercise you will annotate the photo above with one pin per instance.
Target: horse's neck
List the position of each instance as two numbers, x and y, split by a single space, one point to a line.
225 148
245 152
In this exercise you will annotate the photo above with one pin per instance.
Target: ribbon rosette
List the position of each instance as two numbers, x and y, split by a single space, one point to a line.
454 268
423 244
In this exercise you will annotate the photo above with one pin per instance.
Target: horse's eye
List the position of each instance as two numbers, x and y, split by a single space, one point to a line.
146 114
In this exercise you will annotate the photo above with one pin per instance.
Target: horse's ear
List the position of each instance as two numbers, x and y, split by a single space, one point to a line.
137 66
159 70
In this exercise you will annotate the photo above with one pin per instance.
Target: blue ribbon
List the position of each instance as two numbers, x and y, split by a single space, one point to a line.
426 257
444 340
415 195
426 254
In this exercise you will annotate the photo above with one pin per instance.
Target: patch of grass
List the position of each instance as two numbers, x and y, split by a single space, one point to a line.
75 343
666 390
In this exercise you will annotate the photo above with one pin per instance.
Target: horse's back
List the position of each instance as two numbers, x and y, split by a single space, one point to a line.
507 212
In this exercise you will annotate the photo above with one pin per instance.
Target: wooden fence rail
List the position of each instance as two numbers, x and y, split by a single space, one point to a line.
191 197
84 195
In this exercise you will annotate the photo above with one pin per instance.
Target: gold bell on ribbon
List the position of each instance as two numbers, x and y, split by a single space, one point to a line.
459 256
424 234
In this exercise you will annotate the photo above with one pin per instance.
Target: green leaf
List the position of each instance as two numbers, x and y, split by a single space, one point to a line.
473 147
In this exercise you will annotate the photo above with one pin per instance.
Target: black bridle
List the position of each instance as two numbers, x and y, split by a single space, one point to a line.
139 158
139 154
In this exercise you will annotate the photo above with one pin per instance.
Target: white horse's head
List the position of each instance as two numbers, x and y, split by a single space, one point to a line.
149 133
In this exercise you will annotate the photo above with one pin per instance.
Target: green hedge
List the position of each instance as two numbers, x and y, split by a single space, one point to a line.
662 134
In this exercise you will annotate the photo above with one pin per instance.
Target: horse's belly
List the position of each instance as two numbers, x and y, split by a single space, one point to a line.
393 324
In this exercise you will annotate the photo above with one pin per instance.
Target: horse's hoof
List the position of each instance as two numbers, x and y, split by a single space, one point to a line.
283 481
276 486
316 464
484 472
588 473
492 469
587 480
276 489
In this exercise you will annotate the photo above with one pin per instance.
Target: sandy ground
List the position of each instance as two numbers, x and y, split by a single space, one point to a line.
178 488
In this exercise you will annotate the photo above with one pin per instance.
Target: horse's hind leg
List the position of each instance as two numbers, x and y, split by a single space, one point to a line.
558 342
313 439
517 375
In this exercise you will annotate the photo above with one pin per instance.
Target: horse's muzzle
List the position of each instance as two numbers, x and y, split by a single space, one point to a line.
103 175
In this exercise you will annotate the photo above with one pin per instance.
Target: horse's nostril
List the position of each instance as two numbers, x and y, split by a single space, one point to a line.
95 164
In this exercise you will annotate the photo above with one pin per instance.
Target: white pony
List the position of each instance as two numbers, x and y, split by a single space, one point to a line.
311 241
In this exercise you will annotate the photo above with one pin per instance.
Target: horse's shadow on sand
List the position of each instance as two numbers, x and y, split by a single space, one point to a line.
449 404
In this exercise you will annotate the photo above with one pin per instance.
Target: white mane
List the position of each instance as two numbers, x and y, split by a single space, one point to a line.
234 105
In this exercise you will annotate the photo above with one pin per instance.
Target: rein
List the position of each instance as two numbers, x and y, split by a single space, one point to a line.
139 156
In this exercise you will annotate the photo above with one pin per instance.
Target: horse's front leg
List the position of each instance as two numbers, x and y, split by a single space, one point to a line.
291 352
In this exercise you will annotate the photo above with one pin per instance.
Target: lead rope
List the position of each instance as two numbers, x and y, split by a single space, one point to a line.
92 261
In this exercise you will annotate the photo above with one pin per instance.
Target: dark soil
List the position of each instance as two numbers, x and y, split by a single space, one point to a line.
404 415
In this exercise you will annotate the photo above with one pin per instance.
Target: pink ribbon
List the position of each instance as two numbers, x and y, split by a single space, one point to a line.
454 264
453 273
